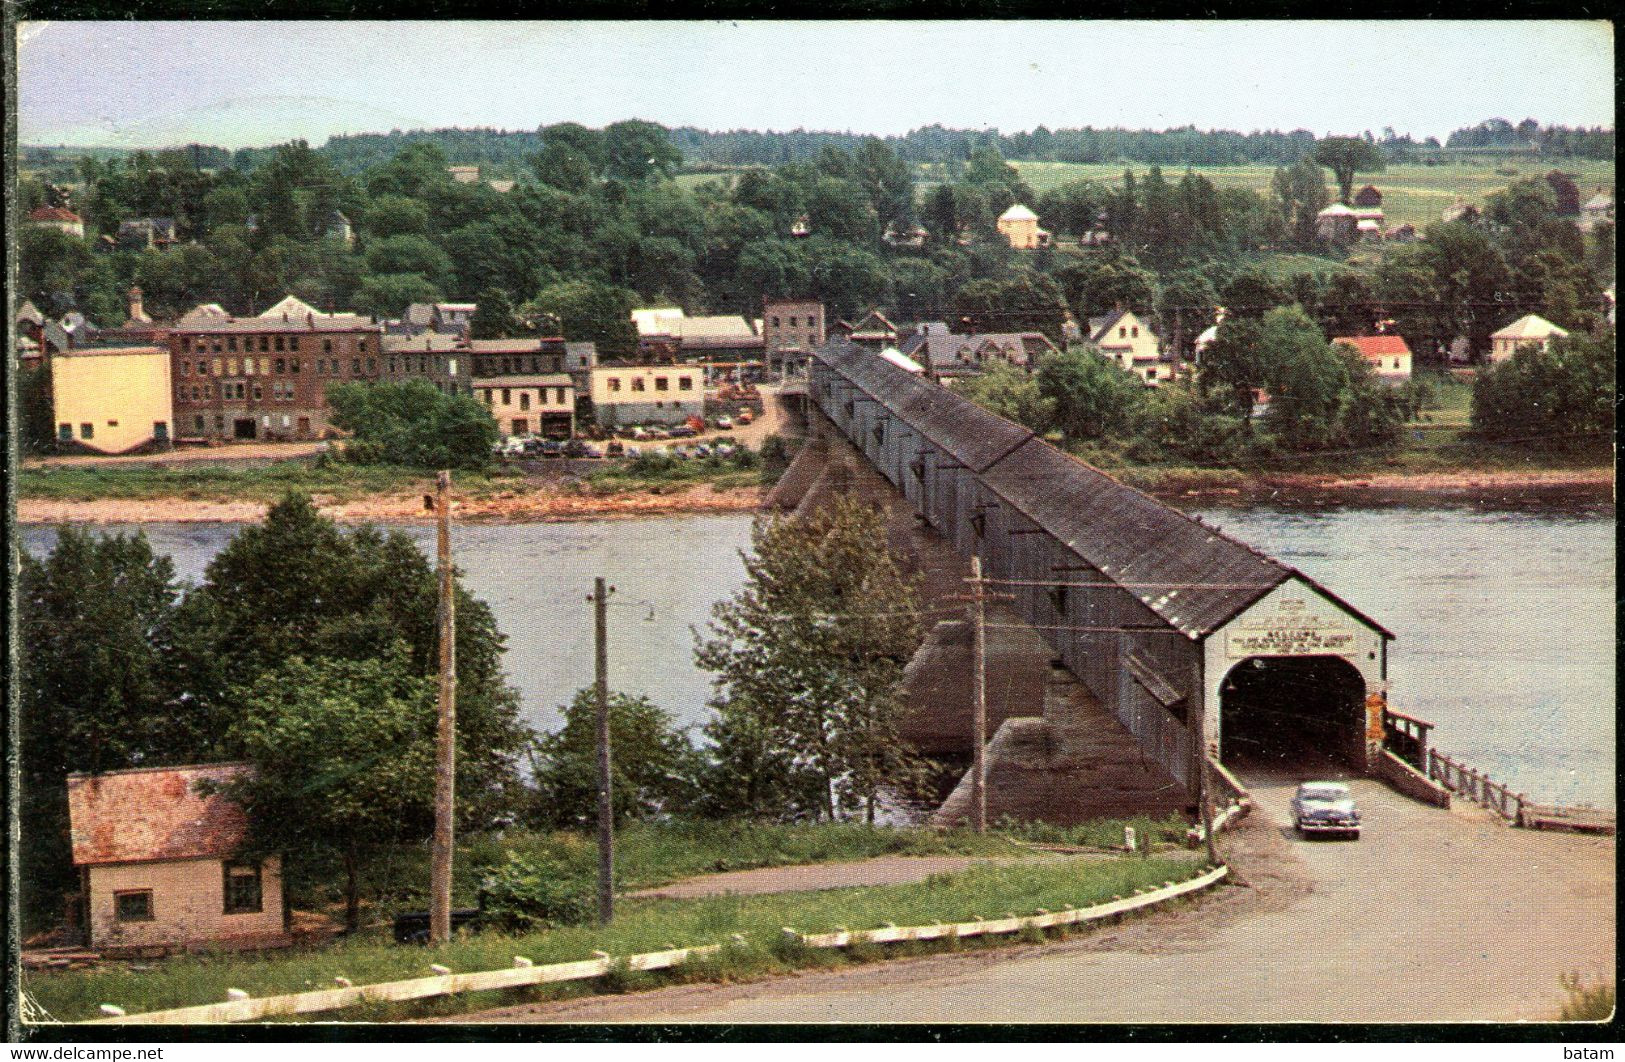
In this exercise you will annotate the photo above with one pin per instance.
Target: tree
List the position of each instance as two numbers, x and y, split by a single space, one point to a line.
297 585
809 658
343 753
1012 393
572 158
1345 156
1089 395
1307 380
589 310
389 294
1027 301
94 681
412 423
1562 390
410 254
493 316
637 151
652 763
1300 195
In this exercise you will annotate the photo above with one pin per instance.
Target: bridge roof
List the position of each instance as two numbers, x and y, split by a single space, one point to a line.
965 431
1187 572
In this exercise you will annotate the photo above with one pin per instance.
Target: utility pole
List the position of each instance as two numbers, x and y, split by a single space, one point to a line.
606 806
445 771
978 611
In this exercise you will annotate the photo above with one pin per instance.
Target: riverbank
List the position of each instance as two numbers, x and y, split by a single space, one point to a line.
513 505
522 501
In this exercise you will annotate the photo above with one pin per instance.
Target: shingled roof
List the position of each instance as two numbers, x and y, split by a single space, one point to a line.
154 814
965 431
1156 552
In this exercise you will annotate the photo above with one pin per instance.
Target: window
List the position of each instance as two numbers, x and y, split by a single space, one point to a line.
87 431
559 393
524 401
507 396
218 364
186 367
202 345
372 365
197 424
662 384
293 366
112 424
248 366
64 432
978 524
1122 333
281 365
1135 331
614 383
293 342
327 346
231 344
265 342
279 342
880 434
535 364
362 346
355 366
265 366
1057 598
133 906
637 383
685 383
203 368
917 466
231 366
242 888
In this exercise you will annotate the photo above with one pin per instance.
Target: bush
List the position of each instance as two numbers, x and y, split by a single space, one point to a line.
1177 421
414 424
523 894
776 455
1567 389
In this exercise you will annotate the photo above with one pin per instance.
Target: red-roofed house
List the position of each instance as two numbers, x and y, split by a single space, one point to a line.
159 862
1388 355
57 218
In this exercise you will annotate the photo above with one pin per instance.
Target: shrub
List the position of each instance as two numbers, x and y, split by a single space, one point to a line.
523 895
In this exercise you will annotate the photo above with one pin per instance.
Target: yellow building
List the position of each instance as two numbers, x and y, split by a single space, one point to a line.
637 394
1530 330
1019 225
1129 341
530 405
113 399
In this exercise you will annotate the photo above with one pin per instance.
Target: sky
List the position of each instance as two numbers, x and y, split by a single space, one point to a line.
237 84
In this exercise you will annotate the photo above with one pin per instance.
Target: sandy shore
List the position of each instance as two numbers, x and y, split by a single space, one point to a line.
542 504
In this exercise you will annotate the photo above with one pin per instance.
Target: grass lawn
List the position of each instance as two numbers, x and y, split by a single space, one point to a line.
661 476
641 925
200 480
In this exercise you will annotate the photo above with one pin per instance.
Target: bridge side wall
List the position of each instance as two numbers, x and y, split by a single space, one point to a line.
1094 629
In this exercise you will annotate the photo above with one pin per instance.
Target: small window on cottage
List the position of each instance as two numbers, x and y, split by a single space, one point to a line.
1135 331
64 432
685 383
614 383
662 384
242 888
524 401
507 396
133 906
87 431
1122 333
637 383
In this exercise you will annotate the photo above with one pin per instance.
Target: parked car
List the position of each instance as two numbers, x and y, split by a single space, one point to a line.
745 417
682 431
639 432
1325 807
725 424
616 448
574 448
655 433
551 448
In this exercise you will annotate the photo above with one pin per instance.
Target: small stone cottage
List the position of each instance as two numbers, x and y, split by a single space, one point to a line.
160 862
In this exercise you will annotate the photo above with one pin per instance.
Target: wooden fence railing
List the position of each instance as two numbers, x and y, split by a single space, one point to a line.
1477 787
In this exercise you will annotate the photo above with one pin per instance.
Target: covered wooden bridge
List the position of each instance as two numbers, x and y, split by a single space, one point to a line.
1177 629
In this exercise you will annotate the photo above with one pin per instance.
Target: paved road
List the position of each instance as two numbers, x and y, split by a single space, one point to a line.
1432 916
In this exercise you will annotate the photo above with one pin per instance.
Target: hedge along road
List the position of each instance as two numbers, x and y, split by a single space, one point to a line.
1433 916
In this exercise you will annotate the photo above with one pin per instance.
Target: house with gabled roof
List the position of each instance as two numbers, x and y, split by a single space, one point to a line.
1019 225
1596 210
1124 338
51 217
1530 330
1389 356
874 331
160 853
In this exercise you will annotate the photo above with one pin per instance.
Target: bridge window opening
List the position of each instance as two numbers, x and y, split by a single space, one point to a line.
978 524
917 466
1296 713
1057 598
880 434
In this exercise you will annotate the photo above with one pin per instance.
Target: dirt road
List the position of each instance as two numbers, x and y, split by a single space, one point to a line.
1433 916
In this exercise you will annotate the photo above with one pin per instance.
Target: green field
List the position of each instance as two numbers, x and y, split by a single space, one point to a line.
1413 193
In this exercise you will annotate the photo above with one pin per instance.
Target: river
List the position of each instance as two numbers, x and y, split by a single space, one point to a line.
1504 619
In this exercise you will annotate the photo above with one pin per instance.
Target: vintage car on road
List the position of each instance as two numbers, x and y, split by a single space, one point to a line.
1325 807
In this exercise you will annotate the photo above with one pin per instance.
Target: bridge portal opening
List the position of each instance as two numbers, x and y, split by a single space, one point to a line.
1293 712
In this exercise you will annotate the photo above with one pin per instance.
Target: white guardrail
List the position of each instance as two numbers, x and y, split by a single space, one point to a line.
524 973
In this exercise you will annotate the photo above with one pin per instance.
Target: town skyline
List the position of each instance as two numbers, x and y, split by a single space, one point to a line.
103 84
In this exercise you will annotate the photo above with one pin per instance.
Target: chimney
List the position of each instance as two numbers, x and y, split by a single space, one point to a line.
137 313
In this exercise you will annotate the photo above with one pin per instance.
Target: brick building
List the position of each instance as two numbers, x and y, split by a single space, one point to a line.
266 377
791 330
